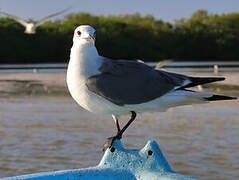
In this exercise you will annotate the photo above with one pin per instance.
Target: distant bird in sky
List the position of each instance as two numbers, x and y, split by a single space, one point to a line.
31 27
117 87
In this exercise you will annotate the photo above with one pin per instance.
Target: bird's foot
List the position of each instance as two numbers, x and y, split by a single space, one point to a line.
109 142
120 132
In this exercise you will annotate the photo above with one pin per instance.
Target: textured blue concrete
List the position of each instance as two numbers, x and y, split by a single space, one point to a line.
118 163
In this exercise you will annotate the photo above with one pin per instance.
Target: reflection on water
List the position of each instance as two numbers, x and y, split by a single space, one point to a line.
46 133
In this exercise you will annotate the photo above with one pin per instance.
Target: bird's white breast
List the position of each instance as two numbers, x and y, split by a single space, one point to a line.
85 62
30 28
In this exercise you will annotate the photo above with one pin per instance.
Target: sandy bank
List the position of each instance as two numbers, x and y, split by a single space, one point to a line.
31 83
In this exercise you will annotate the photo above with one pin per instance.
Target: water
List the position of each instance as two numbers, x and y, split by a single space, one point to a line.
46 133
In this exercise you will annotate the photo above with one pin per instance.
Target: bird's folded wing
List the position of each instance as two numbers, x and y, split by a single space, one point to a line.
129 82
21 21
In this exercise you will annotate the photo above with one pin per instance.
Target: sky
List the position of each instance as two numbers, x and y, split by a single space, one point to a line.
168 10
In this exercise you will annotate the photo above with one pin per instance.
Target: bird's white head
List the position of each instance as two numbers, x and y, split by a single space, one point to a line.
84 34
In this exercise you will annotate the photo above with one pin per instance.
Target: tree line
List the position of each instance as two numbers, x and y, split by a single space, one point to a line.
203 36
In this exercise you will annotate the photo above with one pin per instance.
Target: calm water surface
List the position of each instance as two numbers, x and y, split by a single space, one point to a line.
47 133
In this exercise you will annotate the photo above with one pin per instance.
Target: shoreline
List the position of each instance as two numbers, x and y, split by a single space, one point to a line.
54 83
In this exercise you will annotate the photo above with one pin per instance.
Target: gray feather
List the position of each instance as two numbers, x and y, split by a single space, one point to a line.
130 82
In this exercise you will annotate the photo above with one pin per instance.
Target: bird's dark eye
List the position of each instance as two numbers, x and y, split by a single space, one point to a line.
79 33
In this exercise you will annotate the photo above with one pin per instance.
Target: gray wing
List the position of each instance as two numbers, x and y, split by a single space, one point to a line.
45 19
21 21
130 82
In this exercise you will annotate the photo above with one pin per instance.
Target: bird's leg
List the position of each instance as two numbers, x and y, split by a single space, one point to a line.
116 122
120 132
133 116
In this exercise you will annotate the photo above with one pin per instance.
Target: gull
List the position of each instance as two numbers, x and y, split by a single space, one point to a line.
120 87
163 63
31 27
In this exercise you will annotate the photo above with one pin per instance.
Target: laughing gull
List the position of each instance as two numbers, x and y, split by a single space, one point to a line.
31 27
117 87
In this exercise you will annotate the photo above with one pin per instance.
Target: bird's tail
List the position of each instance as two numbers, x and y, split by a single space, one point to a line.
219 97
204 80
204 96
183 97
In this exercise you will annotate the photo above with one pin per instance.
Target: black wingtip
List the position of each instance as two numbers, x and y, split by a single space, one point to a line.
202 80
219 97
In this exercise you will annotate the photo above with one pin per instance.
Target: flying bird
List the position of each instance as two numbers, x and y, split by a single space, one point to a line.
163 63
116 87
31 27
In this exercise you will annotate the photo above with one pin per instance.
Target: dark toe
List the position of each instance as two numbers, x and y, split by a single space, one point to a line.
109 142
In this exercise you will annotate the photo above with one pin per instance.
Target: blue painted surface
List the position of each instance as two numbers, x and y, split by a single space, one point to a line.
118 163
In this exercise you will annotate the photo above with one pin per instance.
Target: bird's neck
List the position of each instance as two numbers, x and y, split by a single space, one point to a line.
79 48
84 59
